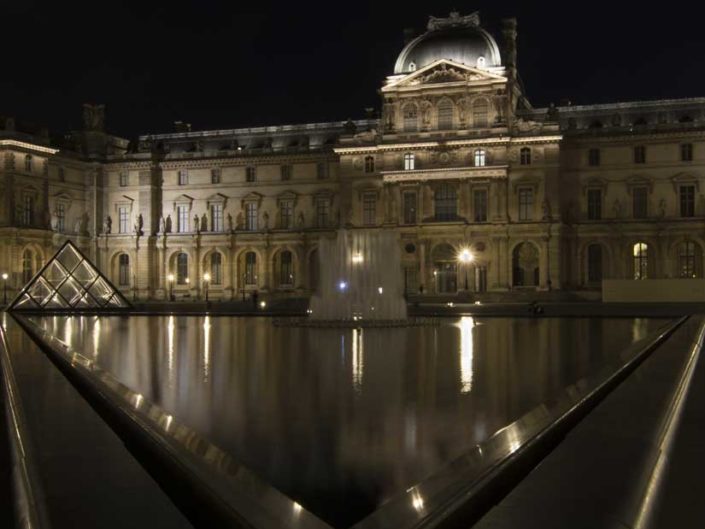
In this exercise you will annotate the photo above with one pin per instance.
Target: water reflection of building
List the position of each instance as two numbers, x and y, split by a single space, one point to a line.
557 197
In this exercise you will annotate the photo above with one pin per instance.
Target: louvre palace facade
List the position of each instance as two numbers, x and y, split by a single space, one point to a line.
555 198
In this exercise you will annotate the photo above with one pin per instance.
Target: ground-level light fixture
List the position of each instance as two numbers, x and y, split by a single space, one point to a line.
342 286
206 280
170 279
466 257
4 287
357 258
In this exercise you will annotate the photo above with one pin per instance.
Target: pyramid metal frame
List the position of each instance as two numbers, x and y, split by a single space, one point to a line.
69 282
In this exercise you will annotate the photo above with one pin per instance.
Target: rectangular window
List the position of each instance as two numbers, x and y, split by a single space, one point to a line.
526 203
28 211
687 200
640 154
182 220
594 204
124 178
594 157
639 196
286 214
285 172
479 205
60 217
411 279
62 174
250 268
322 212
369 209
409 207
250 174
480 279
123 219
321 170
183 177
687 152
251 216
124 264
217 217
409 162
215 176
369 164
286 270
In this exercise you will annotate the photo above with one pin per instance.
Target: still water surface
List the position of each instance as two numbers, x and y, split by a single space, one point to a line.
342 419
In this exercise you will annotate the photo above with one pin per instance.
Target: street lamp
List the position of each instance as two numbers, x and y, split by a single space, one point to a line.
206 279
4 288
466 257
170 279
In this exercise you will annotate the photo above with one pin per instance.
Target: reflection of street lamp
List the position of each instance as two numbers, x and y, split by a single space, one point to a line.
206 279
465 256
4 288
170 279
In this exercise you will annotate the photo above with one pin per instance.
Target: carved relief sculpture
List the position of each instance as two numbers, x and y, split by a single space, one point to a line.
107 225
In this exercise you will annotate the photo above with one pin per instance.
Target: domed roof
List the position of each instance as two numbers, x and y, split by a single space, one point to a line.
458 39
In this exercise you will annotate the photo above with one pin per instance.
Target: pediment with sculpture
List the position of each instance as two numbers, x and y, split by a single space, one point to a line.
445 71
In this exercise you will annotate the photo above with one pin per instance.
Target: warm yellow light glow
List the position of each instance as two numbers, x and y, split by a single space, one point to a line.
206 348
5 276
263 304
96 338
188 280
358 359
170 278
466 326
417 501
465 256
206 277
29 146
170 349
357 258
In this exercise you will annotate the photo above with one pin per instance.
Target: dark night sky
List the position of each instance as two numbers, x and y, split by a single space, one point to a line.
222 64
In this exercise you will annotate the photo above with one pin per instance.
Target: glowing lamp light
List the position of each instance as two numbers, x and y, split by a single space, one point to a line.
380 289
5 276
465 256
342 286
357 258
206 277
188 280
263 304
170 277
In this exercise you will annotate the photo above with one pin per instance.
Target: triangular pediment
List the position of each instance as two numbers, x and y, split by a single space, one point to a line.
444 71
69 282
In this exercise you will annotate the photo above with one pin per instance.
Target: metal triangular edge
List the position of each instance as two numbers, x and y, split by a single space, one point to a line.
124 303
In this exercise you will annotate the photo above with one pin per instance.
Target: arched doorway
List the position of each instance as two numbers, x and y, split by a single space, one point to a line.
445 269
525 265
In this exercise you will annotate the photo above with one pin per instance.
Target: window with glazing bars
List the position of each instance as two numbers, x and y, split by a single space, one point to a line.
124 273
446 202
286 214
594 204
251 216
123 219
182 220
250 268
369 209
409 207
322 210
216 268
526 203
687 201
479 205
217 217
286 270
639 202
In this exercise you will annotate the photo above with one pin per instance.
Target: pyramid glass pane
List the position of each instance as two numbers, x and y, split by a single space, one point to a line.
84 274
69 291
101 291
26 302
56 302
55 274
40 290
69 257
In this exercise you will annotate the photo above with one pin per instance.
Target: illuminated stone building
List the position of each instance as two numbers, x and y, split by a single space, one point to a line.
555 198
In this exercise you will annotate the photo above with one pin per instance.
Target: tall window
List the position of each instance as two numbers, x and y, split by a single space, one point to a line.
639 154
369 209
123 219
27 265
286 269
285 172
250 174
594 205
690 260
411 120
28 163
215 176
480 158
594 157
409 203
321 170
369 164
594 263
445 115
687 152
687 201
409 161
60 217
182 220
322 212
525 156
28 210
526 203
251 216
286 214
480 111
124 269
181 268
217 217
216 268
183 177
640 202
62 174
124 178
479 205
446 202
250 268
640 251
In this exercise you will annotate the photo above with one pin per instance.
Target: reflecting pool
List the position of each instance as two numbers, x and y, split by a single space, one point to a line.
342 419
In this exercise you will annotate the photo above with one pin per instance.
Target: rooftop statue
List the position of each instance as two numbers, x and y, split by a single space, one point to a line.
454 20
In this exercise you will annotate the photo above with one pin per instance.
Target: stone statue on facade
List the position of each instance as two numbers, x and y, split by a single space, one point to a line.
139 224
546 208
81 225
55 221
662 208
196 224
300 222
240 221
167 224
617 209
204 222
265 219
230 222
94 117
107 225
162 224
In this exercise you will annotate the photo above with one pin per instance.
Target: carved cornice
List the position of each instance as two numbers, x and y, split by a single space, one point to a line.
446 173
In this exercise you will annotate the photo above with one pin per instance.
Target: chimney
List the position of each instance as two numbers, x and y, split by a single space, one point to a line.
180 126
509 32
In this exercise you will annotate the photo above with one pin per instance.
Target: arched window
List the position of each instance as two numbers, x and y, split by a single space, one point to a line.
446 202
285 270
690 260
445 115
480 111
412 66
124 269
525 156
409 161
27 265
250 268
525 265
369 164
181 269
594 263
640 252
28 163
411 118
480 158
481 61
216 268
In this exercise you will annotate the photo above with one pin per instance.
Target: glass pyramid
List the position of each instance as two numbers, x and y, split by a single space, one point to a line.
69 282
